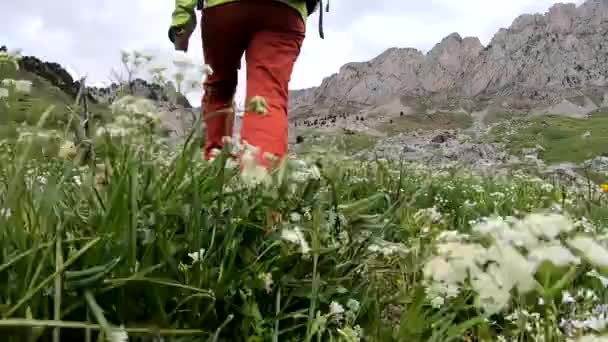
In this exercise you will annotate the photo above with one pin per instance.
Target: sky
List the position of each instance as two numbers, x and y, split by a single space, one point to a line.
87 36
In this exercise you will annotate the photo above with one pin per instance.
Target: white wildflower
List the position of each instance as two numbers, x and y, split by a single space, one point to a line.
182 61
567 298
77 180
462 258
123 120
513 267
267 279
594 252
353 305
478 188
68 150
451 236
438 269
585 225
597 323
554 253
437 302
494 226
491 296
547 187
470 204
498 195
296 236
388 249
112 131
336 308
431 214
196 256
295 217
253 173
546 225
118 335
42 180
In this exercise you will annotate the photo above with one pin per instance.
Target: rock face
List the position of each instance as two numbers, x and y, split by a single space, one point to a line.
543 57
439 150
599 164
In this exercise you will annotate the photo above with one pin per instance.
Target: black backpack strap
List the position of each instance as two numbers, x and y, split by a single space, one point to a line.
321 33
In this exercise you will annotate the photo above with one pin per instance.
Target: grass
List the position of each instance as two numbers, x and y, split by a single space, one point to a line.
28 107
337 142
426 122
147 240
562 138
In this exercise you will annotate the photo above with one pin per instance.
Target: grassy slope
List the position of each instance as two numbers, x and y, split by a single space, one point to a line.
562 138
360 141
337 141
31 106
433 121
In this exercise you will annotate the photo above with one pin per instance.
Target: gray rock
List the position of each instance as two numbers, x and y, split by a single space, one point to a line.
540 60
598 164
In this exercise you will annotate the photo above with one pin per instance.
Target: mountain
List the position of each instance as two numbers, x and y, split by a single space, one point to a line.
556 62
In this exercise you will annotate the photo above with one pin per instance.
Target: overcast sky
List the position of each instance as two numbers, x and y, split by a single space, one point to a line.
87 36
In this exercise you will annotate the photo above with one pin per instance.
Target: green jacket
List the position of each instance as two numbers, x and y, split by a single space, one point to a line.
184 9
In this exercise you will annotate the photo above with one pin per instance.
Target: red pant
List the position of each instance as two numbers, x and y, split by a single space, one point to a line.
270 34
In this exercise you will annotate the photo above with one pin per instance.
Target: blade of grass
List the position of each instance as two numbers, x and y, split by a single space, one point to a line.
58 266
70 261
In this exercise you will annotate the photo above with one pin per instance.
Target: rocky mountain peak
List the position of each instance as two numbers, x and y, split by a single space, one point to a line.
542 57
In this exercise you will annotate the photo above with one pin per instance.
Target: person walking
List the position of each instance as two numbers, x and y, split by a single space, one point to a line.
270 33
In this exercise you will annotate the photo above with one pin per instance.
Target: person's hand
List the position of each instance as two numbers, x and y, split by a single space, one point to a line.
180 36
181 40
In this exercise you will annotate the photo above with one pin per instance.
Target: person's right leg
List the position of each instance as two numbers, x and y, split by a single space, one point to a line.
225 37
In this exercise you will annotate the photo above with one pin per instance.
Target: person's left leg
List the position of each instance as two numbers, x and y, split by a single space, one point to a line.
273 49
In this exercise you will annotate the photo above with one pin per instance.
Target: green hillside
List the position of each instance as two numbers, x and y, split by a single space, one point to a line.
563 139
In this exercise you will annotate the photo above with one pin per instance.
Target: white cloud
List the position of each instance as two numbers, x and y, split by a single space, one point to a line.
88 35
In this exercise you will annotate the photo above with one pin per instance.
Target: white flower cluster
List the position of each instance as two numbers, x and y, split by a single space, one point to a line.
27 134
388 249
253 172
296 237
302 171
517 248
428 216
133 115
